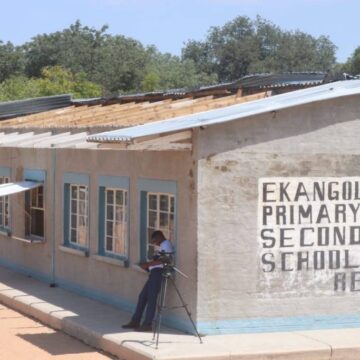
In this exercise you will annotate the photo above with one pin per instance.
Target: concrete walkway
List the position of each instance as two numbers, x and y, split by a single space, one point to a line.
100 326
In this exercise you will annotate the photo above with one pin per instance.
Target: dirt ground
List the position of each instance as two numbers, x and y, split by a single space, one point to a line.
23 338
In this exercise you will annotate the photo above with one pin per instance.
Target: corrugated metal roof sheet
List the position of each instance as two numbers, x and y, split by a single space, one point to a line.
281 80
248 82
12 109
234 112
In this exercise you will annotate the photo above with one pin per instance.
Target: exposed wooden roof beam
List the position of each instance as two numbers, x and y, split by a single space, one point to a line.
176 141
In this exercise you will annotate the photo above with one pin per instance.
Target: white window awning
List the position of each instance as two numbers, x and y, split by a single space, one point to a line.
14 188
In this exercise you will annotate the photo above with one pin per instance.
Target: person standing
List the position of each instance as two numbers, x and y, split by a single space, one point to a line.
148 295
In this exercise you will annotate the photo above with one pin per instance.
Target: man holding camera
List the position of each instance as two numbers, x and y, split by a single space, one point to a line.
149 293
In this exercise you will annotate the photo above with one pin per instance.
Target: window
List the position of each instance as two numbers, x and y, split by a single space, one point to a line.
34 212
78 215
157 212
34 209
160 216
113 216
116 221
4 206
76 211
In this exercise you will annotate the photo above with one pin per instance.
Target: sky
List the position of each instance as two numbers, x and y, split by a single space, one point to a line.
168 24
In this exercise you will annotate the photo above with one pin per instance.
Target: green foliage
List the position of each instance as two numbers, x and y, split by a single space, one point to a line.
11 61
54 80
121 65
19 87
167 71
352 66
76 48
89 62
243 46
151 81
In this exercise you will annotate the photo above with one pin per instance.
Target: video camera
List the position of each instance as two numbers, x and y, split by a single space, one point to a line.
167 260
165 257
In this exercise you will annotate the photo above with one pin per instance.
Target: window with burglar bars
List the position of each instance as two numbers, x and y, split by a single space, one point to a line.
34 209
116 221
4 206
160 216
78 229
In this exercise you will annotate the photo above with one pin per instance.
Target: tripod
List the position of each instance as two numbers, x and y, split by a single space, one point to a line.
167 275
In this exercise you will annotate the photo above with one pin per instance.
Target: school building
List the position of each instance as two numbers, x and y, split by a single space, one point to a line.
259 194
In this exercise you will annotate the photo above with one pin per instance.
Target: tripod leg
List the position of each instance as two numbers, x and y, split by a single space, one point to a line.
186 309
161 306
158 307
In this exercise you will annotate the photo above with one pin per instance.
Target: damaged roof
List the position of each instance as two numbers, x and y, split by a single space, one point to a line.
116 115
231 113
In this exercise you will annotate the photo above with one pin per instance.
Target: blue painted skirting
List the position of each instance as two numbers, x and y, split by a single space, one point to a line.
280 324
25 270
255 325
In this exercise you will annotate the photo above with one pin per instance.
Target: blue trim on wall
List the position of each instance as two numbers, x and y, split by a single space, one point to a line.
96 295
5 171
66 219
68 285
113 182
74 178
78 179
122 304
34 174
25 270
101 225
279 324
121 182
255 325
143 223
159 186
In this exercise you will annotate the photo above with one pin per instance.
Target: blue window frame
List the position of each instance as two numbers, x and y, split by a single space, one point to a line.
76 210
4 201
113 216
157 212
35 205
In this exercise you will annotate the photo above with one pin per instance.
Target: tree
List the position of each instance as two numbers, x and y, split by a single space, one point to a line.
19 87
171 72
115 62
54 81
151 81
11 61
200 53
121 65
75 48
57 80
243 46
352 66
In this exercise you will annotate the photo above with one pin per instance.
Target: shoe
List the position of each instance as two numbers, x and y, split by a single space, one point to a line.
131 325
144 328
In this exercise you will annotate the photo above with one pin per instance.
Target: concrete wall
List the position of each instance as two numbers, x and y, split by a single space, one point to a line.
88 275
313 141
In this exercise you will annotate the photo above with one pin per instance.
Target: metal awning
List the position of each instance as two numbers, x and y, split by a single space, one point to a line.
17 187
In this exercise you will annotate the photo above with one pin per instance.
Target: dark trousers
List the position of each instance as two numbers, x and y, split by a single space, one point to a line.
148 298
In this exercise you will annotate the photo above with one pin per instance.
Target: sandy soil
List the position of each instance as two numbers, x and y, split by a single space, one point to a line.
23 338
